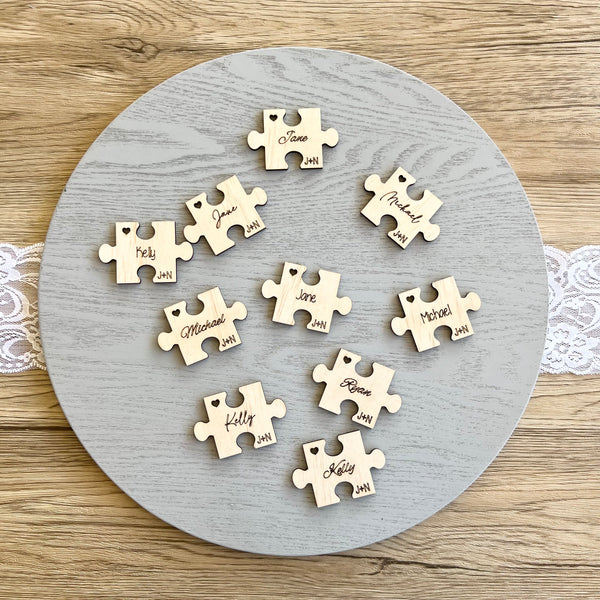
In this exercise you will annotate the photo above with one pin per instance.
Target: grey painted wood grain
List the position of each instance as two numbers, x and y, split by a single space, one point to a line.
134 406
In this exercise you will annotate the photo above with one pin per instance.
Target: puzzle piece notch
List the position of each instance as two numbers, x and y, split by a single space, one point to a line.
319 300
131 252
279 138
368 393
411 216
423 318
216 320
325 472
213 221
225 423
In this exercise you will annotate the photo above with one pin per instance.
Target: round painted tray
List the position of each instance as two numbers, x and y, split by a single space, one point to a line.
134 406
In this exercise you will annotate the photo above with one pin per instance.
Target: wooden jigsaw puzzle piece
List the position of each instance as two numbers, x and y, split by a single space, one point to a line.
216 320
214 220
368 393
319 300
279 138
131 252
411 216
448 309
325 472
225 423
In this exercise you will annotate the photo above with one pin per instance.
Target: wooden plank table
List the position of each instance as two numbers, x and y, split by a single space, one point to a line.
528 73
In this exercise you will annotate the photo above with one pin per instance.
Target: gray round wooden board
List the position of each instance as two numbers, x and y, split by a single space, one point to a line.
134 406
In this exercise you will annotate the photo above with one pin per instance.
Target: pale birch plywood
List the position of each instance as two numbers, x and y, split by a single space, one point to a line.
189 331
319 300
213 221
460 401
280 139
225 423
370 394
325 472
449 309
159 252
411 215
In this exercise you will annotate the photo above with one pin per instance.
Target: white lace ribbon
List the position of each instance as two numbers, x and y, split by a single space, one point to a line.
20 346
572 340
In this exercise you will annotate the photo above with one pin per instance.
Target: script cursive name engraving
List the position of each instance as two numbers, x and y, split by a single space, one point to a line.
197 328
339 468
392 199
290 137
353 387
240 419
217 215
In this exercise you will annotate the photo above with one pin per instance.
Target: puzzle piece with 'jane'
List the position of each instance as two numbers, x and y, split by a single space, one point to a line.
279 138
368 393
214 220
325 472
253 416
131 252
423 318
319 300
412 216
216 320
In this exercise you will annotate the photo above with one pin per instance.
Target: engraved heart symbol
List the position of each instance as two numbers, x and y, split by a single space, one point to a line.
410 299
126 230
314 450
176 312
198 204
293 271
216 403
273 117
347 360
401 178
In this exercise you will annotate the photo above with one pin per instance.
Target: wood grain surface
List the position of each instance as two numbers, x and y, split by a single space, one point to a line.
529 74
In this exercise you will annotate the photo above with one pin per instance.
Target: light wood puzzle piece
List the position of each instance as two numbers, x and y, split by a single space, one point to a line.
253 416
279 138
214 220
131 252
368 393
412 216
352 465
423 318
319 300
215 320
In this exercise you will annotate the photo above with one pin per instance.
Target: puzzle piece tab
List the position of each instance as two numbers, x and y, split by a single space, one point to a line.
253 416
189 331
131 252
214 220
369 393
279 138
352 464
319 300
423 318
412 216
